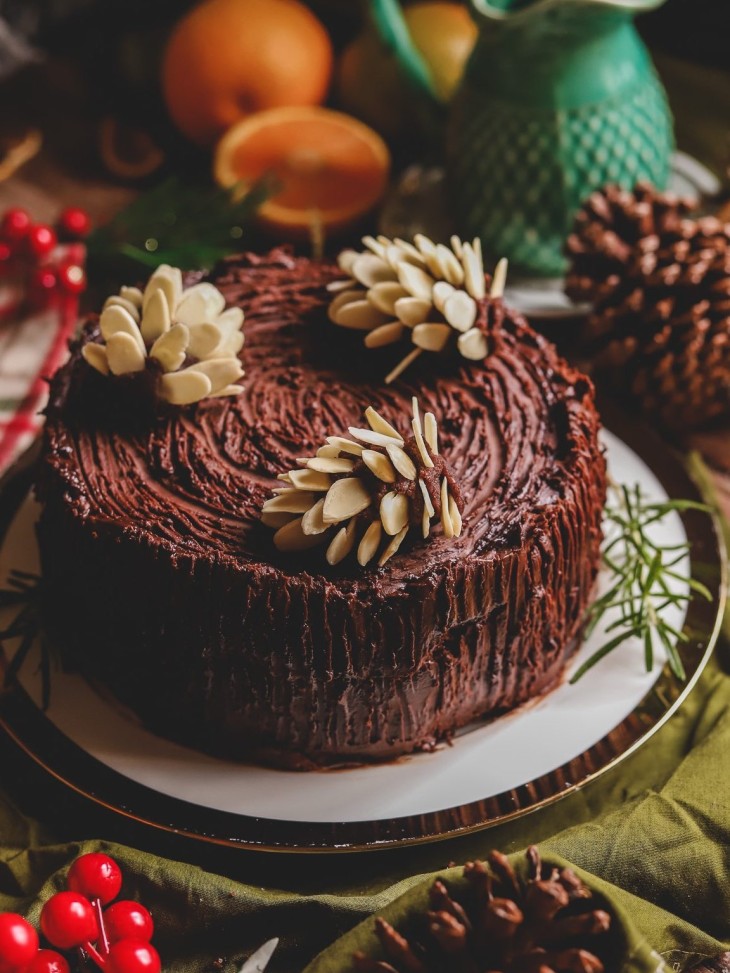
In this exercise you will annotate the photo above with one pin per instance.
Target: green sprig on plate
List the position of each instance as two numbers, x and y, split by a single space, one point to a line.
645 579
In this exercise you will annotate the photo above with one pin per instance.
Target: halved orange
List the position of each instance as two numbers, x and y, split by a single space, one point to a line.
329 169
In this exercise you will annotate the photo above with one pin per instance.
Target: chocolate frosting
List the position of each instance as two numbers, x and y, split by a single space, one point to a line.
162 582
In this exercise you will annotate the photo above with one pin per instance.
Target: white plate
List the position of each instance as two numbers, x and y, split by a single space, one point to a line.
491 760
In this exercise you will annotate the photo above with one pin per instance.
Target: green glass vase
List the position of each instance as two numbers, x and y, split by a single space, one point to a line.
559 98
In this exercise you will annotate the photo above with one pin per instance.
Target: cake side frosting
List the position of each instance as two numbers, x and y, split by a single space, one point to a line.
156 561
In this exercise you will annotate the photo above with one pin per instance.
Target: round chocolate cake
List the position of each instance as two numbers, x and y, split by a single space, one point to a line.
162 583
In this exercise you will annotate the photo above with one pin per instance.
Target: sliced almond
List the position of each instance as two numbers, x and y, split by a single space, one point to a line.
169 281
442 290
184 388
343 298
455 515
331 451
344 499
231 345
460 310
412 310
129 306
346 259
220 371
289 502
342 544
415 410
228 390
370 270
310 480
123 354
335 286
204 340
473 345
427 502
379 464
416 281
431 336
155 317
274 520
403 365
292 538
386 334
230 320
326 464
345 445
421 445
360 316
378 424
473 272
132 294
402 462
169 349
384 295
95 355
199 303
115 320
451 269
392 548
430 432
312 522
425 524
394 512
368 547
410 252
500 279
446 522
374 438
377 247
457 246
424 244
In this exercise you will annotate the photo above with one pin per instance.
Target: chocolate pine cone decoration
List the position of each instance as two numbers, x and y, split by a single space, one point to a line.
498 923
660 326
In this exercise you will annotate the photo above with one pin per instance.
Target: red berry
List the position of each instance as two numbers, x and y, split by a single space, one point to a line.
42 286
47 961
68 920
128 920
96 876
6 254
72 279
15 224
133 956
41 239
18 942
74 222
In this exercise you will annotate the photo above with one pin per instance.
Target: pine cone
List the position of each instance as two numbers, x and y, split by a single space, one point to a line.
614 229
662 332
659 330
498 922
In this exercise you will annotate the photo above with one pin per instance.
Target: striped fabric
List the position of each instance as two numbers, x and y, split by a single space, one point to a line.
31 349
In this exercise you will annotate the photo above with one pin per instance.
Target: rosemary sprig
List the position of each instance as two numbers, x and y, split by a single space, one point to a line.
23 593
645 580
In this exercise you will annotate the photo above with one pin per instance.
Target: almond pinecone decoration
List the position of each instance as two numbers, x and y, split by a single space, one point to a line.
498 922
659 329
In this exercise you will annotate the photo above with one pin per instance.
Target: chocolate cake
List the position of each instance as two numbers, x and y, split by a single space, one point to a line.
162 583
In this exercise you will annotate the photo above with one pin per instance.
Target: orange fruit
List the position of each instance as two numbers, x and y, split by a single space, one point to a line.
228 58
371 83
329 169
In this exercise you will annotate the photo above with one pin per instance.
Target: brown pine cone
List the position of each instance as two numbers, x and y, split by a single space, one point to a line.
614 229
662 331
498 922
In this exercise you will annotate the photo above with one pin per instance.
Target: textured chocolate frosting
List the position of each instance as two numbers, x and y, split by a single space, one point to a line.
162 583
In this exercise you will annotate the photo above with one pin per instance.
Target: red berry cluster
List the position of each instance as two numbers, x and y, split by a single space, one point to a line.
116 938
29 252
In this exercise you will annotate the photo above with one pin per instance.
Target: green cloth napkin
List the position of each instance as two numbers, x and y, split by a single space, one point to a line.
653 835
